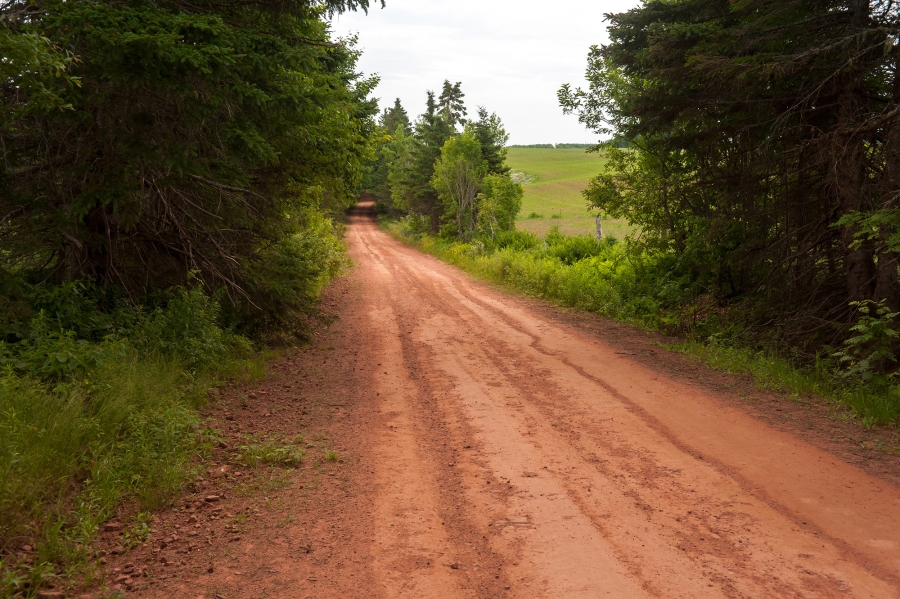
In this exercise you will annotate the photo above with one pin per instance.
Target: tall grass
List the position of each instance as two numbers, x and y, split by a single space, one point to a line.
576 271
603 277
86 424
876 402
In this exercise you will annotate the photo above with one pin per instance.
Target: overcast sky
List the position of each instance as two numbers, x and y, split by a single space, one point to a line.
511 56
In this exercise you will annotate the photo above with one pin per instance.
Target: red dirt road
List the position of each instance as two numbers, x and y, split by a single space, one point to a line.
497 453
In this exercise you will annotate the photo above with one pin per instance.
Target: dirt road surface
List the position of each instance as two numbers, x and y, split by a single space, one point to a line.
490 451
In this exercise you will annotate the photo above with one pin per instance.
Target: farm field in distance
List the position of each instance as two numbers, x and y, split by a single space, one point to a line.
556 179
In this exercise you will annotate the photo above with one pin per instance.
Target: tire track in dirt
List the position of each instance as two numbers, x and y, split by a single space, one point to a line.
493 452
747 486
724 535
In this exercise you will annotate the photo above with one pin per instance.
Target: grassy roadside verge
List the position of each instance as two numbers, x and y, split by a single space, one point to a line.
89 426
598 277
100 394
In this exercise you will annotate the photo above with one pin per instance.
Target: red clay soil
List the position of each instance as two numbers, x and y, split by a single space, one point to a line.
493 446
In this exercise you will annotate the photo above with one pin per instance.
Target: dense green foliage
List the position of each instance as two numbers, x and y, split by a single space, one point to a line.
457 173
143 142
96 407
393 122
757 144
168 180
498 204
440 177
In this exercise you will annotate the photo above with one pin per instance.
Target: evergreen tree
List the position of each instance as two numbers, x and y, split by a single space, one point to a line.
393 117
448 177
763 141
376 176
151 141
452 108
432 130
489 132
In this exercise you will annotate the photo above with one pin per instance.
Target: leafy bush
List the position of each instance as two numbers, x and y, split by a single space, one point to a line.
869 349
498 204
515 240
97 406
57 355
186 329
285 278
571 249
415 225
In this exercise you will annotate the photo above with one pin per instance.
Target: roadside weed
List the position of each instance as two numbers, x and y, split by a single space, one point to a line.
272 450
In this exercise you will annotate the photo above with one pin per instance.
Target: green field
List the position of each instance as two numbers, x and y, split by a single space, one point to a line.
555 179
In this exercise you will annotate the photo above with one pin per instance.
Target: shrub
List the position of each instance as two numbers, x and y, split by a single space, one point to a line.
58 355
99 412
186 329
571 249
415 225
285 279
516 240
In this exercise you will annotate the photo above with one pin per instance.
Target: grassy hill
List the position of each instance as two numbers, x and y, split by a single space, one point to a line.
555 179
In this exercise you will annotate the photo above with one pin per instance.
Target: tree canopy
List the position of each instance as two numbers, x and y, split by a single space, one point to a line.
443 174
759 141
143 142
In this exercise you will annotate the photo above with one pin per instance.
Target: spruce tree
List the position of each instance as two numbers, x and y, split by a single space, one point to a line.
177 141
763 141
489 132
432 130
393 117
452 108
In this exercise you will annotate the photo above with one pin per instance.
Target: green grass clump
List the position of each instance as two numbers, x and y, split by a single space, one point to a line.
69 454
274 451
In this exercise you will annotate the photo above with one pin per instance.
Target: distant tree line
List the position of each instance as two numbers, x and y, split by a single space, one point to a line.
445 171
763 154
552 147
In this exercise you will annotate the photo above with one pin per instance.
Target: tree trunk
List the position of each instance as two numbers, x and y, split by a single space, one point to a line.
886 284
846 156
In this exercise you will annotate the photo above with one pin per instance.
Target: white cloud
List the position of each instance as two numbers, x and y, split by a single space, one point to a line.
511 56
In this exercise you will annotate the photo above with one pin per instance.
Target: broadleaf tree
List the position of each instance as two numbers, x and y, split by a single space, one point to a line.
457 179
